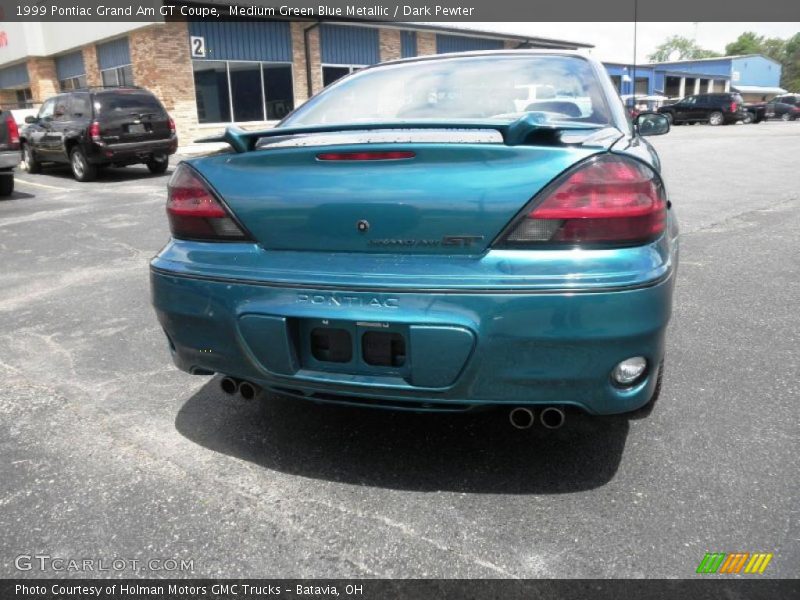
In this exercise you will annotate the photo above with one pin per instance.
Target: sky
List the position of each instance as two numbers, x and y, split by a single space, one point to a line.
614 41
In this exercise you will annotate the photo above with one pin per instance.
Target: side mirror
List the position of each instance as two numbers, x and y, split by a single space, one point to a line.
651 123
30 119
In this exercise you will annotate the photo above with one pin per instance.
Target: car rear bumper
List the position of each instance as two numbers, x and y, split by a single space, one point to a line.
133 152
465 347
9 159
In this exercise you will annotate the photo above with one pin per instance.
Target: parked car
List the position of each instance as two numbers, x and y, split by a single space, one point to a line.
786 108
446 255
9 151
643 103
715 109
755 112
96 127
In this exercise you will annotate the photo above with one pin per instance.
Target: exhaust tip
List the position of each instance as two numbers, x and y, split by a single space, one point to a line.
521 418
247 390
229 385
552 417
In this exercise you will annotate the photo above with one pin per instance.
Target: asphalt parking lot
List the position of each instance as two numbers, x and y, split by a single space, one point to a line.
110 452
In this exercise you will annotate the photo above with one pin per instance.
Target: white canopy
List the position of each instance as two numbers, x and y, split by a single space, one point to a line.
758 89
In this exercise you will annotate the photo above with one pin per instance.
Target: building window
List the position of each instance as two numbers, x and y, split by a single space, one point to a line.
118 76
24 98
248 104
241 91
72 83
331 73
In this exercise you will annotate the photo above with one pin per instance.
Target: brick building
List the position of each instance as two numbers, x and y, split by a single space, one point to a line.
209 74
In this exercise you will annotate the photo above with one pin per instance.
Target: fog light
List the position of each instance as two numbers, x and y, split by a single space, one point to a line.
629 370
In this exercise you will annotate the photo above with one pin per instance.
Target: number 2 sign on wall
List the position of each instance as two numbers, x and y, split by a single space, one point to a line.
198 45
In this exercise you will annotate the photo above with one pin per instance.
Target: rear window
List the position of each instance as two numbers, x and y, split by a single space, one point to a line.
127 103
557 88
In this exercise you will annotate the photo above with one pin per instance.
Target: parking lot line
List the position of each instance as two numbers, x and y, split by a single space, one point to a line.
42 185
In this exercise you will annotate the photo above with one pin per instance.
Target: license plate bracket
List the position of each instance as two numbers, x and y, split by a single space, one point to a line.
352 347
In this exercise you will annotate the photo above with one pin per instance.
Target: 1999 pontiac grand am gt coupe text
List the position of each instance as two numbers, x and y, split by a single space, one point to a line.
408 239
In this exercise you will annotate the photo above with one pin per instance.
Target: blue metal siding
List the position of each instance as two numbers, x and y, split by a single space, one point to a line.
703 68
269 41
459 43
14 76
641 73
70 65
113 54
408 44
756 70
660 82
344 45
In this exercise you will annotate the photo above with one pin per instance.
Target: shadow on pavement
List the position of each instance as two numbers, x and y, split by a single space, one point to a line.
477 452
107 174
16 195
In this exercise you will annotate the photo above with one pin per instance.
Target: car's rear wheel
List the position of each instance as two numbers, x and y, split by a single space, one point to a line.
786 117
158 164
82 170
6 185
716 118
748 118
29 160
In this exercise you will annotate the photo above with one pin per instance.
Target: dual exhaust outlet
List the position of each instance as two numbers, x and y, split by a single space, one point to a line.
245 389
551 417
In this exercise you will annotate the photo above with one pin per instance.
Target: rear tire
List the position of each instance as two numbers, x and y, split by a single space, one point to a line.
748 118
29 160
82 170
158 167
786 117
716 118
6 185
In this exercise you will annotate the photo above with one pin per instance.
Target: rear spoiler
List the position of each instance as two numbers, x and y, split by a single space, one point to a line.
514 133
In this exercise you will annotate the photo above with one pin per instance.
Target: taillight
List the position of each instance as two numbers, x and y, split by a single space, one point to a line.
94 132
171 126
13 130
609 200
733 106
195 212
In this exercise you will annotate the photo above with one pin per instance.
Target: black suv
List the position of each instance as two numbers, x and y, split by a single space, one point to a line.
97 127
786 108
716 109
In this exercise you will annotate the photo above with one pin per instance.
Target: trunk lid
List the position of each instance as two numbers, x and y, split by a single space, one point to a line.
450 198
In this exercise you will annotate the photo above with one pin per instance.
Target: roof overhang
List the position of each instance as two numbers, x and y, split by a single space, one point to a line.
758 89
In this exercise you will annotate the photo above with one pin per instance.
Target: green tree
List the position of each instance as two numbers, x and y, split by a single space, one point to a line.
677 47
790 75
750 43
746 43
